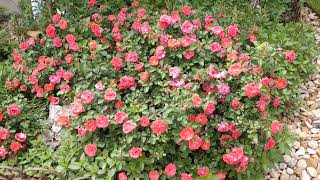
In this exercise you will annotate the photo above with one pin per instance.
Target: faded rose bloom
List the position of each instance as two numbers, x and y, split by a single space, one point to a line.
159 126
144 121
203 171
110 95
276 127
122 176
170 170
131 57
186 134
290 56
102 121
187 27
196 100
128 126
174 72
14 110
252 90
135 152
121 117
154 175
90 150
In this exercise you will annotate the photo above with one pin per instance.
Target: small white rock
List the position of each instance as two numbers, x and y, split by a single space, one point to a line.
301 151
283 166
311 151
305 175
290 171
313 144
312 171
301 164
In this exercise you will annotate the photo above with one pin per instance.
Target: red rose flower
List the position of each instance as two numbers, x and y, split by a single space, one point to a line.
170 170
144 121
14 110
56 17
139 66
68 58
186 134
195 143
186 10
159 126
91 125
96 29
276 102
54 100
233 30
196 100
120 117
82 131
221 176
4 134
110 95
67 76
126 82
201 118
90 149
235 69
102 121
48 87
252 90
210 108
128 126
281 83
15 146
21 137
269 145
116 63
153 61
234 157
63 24
235 104
92 2
186 176
24 46
186 27
135 152
189 54
70 38
87 97
50 30
3 152
261 105
63 121
276 127
131 57
154 175
290 56
215 47
23 88
205 145
144 76
203 171
122 176
118 104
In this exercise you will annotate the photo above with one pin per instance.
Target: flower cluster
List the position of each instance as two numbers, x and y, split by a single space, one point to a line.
167 90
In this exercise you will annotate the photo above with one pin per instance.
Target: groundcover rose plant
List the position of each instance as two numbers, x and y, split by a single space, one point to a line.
178 95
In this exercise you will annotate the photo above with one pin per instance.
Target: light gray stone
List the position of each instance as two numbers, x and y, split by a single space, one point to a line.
301 164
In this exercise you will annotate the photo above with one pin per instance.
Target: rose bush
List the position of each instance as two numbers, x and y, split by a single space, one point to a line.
179 94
